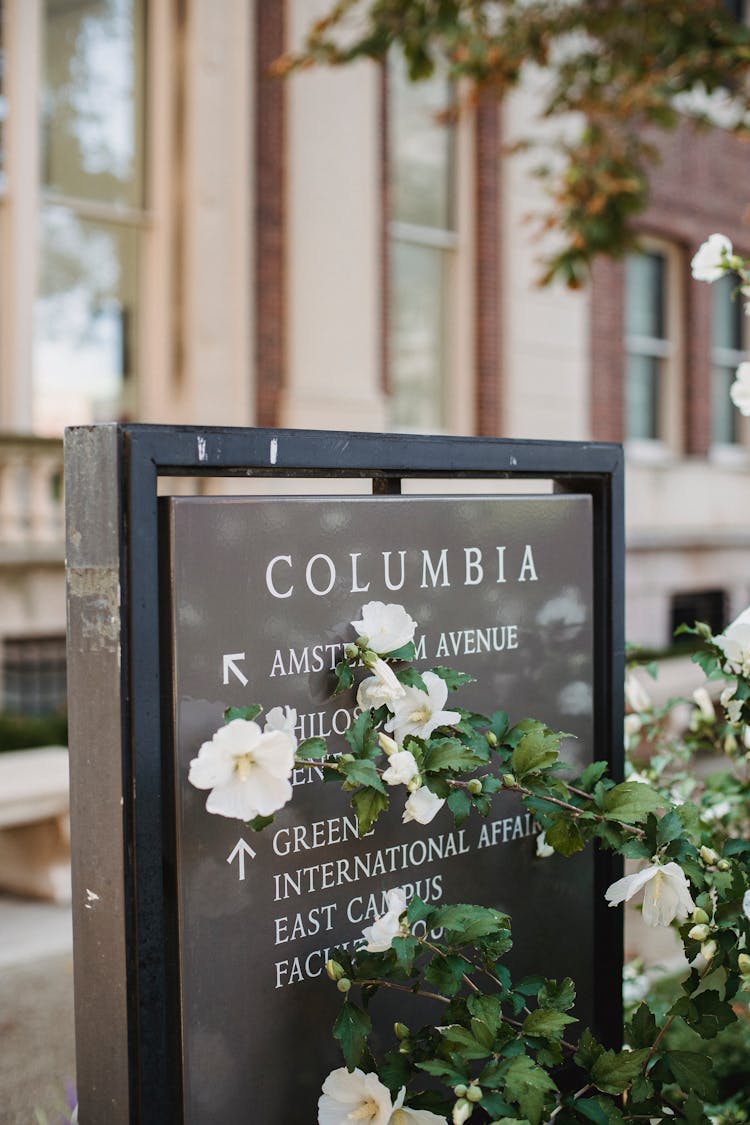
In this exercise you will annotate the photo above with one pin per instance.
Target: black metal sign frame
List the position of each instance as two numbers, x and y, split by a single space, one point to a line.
128 1050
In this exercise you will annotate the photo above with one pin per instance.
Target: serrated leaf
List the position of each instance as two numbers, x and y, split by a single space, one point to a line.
450 754
344 677
461 1040
441 1069
486 1008
394 1070
246 713
351 1029
311 748
591 775
446 973
362 737
537 749
452 678
631 802
528 1085
564 836
466 923
405 949
692 1071
362 772
592 1111
258 823
410 677
547 1023
406 652
459 802
642 1029
368 804
560 996
589 1050
613 1071
641 1090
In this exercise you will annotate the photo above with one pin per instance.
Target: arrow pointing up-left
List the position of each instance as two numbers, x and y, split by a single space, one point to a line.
240 851
230 666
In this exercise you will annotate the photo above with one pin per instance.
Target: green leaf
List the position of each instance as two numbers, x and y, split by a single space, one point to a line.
405 949
466 923
344 677
692 1071
446 973
591 775
613 1071
642 1029
368 804
362 772
406 652
417 910
452 678
459 802
499 724
564 836
537 748
547 1023
631 802
410 677
589 1050
713 1014
528 1085
362 737
450 754
351 1028
592 1111
486 1008
560 996
669 827
441 1069
460 1039
246 713
311 748
258 823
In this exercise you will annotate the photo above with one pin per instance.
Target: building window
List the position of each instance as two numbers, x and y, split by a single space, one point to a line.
726 355
699 605
93 212
422 240
647 346
34 680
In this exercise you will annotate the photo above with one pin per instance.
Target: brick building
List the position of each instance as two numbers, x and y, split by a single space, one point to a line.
184 239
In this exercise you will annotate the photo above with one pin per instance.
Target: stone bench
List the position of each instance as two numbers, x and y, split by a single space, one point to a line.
35 823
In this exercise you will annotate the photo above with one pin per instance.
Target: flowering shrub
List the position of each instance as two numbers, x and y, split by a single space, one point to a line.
504 1051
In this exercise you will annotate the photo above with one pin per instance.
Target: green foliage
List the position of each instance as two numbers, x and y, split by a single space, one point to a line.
25 732
618 69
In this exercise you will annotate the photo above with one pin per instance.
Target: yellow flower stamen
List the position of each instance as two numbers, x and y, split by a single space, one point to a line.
367 1111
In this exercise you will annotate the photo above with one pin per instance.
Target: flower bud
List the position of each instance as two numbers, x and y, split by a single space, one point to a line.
346 757
404 1047
491 738
344 985
401 1031
334 970
474 1093
414 784
351 651
474 786
387 744
708 950
460 1090
700 915
708 855
743 964
369 657
462 1111
723 865
509 781
700 932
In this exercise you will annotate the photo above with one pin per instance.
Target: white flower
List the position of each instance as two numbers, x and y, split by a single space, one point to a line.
246 769
708 263
739 392
382 687
636 696
363 1097
666 895
735 644
732 706
543 849
354 1097
388 926
284 719
402 768
746 904
422 806
704 703
387 627
420 712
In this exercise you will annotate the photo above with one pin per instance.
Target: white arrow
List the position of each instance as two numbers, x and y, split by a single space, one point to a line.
230 666
240 852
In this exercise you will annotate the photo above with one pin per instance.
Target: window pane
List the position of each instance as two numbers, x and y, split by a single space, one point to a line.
417 335
728 313
724 429
92 106
85 322
644 295
420 150
642 397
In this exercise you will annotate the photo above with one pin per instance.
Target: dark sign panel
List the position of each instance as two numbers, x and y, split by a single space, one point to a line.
262 596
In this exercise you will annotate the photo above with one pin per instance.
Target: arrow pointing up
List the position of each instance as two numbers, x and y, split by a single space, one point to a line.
230 666
240 851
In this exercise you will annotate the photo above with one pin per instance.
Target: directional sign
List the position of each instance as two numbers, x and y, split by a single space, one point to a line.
230 666
239 852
